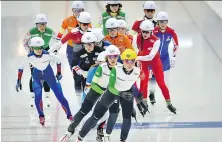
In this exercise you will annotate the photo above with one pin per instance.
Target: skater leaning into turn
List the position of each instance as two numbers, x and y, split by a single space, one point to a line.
84 20
149 8
148 55
86 57
98 86
121 80
42 70
168 57
40 30
113 10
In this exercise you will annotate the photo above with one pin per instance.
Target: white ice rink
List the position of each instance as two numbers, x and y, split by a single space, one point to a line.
196 81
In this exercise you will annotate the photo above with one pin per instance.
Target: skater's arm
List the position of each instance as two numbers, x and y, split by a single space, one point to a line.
152 54
54 58
176 43
21 67
95 80
112 82
97 75
26 41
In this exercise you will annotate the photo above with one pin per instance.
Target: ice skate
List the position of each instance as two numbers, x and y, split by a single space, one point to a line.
47 99
152 98
66 136
107 138
32 100
122 140
100 135
171 108
42 121
79 139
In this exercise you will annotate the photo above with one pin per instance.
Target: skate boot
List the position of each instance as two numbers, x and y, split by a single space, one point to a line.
47 99
107 138
32 100
42 121
68 134
70 118
122 140
171 107
100 135
79 139
152 98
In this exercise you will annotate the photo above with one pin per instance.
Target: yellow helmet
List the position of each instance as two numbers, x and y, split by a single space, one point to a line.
128 54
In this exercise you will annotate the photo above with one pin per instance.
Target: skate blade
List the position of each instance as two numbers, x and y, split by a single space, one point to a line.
65 138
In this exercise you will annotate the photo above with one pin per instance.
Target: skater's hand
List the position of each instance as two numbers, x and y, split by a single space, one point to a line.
172 62
87 88
18 85
78 70
59 75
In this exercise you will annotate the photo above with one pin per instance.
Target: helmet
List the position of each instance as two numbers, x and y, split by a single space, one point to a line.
84 17
146 25
162 16
102 56
78 4
36 42
111 23
88 37
40 18
122 23
128 54
149 5
112 50
114 2
99 34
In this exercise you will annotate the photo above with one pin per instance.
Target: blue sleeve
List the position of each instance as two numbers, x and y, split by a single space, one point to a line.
90 75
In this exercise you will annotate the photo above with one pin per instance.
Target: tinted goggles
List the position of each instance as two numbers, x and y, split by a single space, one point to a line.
112 56
150 10
130 61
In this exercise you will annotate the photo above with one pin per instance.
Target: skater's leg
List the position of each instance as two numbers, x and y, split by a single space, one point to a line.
86 107
69 55
32 100
57 89
144 82
127 109
167 78
37 88
158 72
113 114
47 93
100 109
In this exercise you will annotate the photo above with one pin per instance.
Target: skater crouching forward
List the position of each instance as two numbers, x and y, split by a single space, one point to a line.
121 80
42 70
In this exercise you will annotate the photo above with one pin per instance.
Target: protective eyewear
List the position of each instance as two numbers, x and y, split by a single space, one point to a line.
89 44
114 5
37 48
85 24
41 24
129 61
150 10
77 10
146 32
163 22
112 56
112 29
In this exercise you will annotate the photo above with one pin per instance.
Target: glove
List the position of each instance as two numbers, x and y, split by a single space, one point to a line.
59 75
87 88
172 62
18 85
78 70
142 105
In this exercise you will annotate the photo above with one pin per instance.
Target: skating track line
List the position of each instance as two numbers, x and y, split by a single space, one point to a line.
144 125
